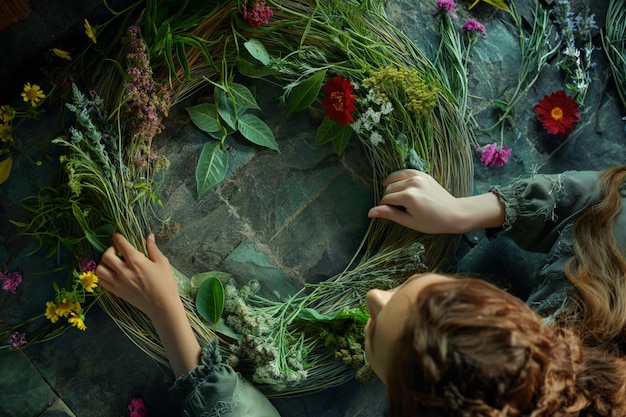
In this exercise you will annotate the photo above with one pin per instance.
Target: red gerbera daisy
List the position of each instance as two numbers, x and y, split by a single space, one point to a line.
557 112
339 101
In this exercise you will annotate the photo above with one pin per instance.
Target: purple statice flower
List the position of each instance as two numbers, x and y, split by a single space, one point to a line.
445 6
492 156
10 281
88 265
145 103
473 26
16 340
256 15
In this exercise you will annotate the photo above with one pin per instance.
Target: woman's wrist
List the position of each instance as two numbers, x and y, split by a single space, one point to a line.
481 211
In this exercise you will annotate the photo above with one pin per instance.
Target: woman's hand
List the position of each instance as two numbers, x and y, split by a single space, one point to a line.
145 282
415 200
149 284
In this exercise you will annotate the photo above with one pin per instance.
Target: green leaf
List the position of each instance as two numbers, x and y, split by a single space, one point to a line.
242 96
252 70
330 131
210 299
256 131
258 51
226 108
204 116
312 315
211 168
100 238
305 93
198 279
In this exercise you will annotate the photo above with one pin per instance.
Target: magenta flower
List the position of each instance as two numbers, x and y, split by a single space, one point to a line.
16 340
88 265
137 408
473 26
258 14
491 156
10 281
445 6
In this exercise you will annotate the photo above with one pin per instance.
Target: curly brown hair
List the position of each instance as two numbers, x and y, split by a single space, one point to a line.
470 349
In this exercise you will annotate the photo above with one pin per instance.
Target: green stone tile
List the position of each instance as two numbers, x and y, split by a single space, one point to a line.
23 392
251 261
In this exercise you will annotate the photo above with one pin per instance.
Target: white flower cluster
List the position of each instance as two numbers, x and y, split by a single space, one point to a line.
368 120
260 341
576 36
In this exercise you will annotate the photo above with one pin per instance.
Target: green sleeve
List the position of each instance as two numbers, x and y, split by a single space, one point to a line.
214 389
537 208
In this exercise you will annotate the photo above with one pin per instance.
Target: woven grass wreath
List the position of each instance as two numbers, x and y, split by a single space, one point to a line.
375 86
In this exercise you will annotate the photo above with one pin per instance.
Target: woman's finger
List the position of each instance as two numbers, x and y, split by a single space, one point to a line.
403 174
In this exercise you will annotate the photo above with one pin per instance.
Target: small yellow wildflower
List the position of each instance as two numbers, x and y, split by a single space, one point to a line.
89 280
65 307
77 320
6 133
7 113
32 93
39 163
61 53
91 34
51 312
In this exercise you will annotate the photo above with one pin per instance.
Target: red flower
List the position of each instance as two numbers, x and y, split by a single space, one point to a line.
339 101
558 112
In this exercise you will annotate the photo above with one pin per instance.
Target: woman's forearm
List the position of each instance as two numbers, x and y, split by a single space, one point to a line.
180 343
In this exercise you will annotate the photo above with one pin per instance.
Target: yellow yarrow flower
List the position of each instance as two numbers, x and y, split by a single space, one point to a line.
7 113
78 320
32 93
51 312
89 280
61 53
6 133
91 34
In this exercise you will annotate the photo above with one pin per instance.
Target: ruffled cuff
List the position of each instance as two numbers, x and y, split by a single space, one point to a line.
214 389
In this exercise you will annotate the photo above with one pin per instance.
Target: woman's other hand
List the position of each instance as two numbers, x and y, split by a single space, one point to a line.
416 200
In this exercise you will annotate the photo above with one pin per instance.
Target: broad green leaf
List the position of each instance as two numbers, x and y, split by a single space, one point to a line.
256 131
204 116
305 93
312 315
211 168
226 108
5 169
210 299
252 70
198 279
100 238
242 96
330 131
341 141
258 51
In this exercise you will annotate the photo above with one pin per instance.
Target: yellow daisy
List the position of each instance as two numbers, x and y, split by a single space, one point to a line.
51 312
89 280
61 53
65 307
7 113
91 34
77 320
32 93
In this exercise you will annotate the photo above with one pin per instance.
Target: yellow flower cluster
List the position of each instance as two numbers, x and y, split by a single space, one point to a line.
68 303
403 87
